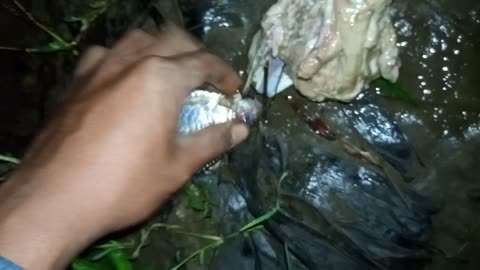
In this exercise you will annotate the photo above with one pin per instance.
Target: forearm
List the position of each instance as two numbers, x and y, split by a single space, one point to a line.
32 246
38 232
110 156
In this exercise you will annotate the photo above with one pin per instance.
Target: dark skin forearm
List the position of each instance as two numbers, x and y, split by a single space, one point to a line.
110 156
38 233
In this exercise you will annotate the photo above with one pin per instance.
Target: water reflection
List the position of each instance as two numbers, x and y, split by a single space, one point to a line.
440 69
437 64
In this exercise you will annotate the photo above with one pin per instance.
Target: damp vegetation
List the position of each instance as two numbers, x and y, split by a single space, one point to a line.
393 90
419 134
115 255
81 18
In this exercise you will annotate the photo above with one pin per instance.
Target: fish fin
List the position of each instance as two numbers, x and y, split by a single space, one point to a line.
277 79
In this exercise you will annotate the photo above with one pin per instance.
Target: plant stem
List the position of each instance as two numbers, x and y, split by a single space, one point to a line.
9 159
144 236
217 240
196 253
201 236
61 43
41 26
33 50
287 257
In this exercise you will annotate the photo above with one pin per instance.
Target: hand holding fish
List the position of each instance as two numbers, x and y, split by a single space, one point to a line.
109 157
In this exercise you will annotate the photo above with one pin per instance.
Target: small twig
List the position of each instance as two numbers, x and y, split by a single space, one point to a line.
5 48
83 29
145 233
85 23
33 50
40 25
61 43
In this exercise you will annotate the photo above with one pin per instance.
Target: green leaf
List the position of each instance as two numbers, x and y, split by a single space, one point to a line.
195 254
120 260
256 222
107 249
253 229
201 258
198 199
97 4
215 238
93 10
287 257
56 45
112 244
72 19
53 46
101 254
394 90
80 264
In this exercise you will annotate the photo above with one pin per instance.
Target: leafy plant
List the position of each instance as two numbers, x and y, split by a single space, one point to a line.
254 225
197 199
111 255
86 16
115 250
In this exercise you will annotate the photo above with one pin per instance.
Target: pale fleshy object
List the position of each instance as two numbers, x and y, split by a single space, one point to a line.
332 48
204 108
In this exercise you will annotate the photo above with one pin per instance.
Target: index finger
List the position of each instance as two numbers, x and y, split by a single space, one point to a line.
201 67
169 39
173 39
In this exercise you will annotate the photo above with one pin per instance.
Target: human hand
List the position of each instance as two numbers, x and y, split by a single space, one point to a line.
109 157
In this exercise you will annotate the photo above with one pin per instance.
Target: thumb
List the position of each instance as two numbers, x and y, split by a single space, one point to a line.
197 150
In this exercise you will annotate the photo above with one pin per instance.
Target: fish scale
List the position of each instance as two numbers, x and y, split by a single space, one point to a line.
204 108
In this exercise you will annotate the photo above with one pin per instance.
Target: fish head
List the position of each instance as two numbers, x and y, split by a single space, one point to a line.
248 110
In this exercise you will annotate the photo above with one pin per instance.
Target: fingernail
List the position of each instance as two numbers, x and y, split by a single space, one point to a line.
239 133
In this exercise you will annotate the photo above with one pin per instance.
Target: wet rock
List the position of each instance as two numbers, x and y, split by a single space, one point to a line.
334 201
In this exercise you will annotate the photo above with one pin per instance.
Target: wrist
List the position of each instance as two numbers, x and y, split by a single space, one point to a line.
39 233
34 247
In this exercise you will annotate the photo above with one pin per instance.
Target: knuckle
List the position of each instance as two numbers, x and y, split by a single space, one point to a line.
149 62
94 51
183 168
90 58
136 34
227 138
196 63
205 57
220 139
156 63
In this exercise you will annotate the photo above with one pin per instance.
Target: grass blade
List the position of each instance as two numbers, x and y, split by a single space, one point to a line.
9 159
259 220
394 90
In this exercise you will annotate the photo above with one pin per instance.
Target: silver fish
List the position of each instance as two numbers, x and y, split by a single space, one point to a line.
204 108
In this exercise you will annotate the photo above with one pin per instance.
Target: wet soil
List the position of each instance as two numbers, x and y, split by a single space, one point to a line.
439 42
